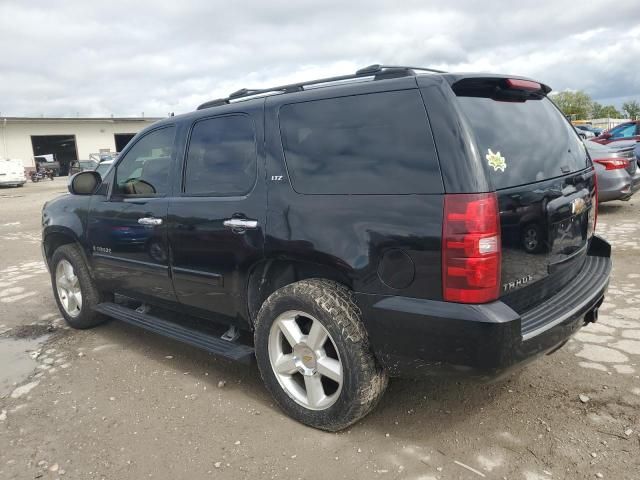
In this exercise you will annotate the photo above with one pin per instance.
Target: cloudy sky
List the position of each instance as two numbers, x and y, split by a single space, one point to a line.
127 57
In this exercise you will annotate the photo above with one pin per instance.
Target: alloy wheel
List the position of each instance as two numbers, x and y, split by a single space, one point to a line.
68 288
305 360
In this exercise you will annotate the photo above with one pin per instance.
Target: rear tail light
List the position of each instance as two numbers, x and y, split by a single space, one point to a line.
613 163
471 248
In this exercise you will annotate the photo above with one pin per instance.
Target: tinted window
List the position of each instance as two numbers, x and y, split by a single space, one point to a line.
221 159
377 143
144 170
624 131
523 141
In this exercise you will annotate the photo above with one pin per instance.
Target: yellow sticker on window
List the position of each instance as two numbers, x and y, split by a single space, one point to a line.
496 161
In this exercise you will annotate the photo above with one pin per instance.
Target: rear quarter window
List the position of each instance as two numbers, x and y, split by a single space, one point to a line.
533 138
377 143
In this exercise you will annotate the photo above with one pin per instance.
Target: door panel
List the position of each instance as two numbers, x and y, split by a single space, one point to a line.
210 261
128 226
127 256
223 180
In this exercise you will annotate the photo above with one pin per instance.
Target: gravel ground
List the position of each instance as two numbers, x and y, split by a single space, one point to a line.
119 403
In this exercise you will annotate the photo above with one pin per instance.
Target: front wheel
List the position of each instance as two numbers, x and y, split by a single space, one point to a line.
74 289
314 356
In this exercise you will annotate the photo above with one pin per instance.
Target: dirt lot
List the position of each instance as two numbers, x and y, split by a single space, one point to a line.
118 403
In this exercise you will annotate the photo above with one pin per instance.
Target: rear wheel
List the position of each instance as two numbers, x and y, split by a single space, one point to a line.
314 357
74 289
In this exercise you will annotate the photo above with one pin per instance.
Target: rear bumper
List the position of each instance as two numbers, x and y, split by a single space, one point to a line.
412 336
617 185
12 183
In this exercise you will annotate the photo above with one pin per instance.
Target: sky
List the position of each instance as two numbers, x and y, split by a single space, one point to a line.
78 57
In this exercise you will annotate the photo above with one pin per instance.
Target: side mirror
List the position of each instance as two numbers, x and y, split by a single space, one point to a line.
84 183
605 135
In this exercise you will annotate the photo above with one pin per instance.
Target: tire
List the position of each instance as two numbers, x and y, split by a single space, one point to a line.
82 316
362 382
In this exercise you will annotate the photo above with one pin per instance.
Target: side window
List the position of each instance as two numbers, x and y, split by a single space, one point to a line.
624 131
378 143
144 171
221 159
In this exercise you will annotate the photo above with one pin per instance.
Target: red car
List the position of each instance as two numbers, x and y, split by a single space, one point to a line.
624 131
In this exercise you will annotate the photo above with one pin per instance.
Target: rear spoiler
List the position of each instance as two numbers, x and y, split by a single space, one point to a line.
499 87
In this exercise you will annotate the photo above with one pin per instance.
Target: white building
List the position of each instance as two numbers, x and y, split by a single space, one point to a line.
67 138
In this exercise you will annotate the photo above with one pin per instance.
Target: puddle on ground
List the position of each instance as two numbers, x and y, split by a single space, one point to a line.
15 362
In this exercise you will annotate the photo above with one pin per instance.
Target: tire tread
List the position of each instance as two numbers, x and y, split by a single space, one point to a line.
91 296
338 302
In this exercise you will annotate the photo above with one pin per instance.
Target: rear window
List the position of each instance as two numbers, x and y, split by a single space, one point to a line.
523 141
377 143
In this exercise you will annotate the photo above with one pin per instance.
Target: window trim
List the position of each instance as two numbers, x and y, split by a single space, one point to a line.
113 193
183 177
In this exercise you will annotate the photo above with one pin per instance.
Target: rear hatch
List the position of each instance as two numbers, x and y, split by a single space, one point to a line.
544 181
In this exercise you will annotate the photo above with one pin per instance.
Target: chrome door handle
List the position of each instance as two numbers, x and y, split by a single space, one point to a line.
150 221
240 223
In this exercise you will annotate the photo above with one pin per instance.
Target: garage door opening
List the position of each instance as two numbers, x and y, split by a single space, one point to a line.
122 139
63 147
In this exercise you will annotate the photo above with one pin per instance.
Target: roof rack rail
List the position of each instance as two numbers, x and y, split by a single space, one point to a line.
379 72
375 68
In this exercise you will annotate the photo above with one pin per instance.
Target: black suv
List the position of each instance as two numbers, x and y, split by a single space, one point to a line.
397 221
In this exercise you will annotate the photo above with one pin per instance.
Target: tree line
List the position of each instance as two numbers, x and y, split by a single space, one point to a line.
580 106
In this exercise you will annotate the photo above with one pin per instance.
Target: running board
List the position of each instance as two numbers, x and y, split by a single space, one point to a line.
212 344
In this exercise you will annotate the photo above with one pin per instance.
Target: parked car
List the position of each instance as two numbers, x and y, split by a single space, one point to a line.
585 131
616 168
596 131
343 230
77 166
624 131
12 173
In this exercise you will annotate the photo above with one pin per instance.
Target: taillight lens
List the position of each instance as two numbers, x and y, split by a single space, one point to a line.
612 163
471 248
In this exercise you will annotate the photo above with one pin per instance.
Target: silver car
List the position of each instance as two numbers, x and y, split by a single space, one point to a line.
584 132
617 168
